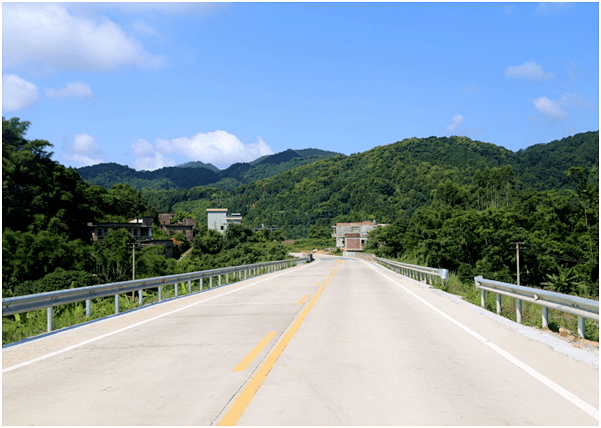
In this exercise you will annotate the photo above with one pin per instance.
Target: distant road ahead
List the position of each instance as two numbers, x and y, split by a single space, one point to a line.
335 342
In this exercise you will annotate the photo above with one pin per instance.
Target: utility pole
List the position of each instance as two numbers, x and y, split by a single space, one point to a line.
518 307
133 268
517 257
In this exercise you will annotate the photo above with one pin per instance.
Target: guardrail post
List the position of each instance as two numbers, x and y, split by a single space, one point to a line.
498 304
116 304
227 278
140 297
581 327
160 293
190 286
176 288
210 282
245 273
545 317
50 318
219 282
482 293
518 311
88 308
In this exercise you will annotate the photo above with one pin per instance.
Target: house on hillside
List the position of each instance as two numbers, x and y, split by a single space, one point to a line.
139 228
218 219
353 236
187 226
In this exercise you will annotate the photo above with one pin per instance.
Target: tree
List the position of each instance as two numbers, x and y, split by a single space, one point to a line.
237 234
209 242
114 256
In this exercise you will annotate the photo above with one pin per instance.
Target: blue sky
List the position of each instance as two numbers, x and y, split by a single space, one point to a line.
158 84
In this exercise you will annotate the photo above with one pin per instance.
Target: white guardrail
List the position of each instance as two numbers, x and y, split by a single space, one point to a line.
583 308
32 302
420 273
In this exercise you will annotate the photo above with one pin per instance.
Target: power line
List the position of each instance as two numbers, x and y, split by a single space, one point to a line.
556 257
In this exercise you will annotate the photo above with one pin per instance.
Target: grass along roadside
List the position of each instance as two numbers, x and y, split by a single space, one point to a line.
531 313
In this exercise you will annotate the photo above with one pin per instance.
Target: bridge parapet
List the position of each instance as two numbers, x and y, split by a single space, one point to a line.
19 304
583 308
421 273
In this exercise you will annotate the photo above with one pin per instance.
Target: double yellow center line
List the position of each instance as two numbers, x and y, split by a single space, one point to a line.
235 412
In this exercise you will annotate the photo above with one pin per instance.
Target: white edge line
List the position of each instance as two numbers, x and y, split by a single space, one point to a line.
592 411
68 348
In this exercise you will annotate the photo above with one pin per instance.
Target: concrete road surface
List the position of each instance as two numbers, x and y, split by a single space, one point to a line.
335 342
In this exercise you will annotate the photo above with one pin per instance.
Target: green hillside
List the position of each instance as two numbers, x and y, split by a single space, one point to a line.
403 176
193 174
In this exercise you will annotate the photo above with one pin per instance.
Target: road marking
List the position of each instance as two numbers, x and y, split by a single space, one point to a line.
303 299
592 411
318 282
253 354
85 342
239 406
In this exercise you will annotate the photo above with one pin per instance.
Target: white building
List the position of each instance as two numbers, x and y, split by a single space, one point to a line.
353 236
218 219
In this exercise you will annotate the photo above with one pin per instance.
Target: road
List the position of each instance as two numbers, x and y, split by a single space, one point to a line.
335 342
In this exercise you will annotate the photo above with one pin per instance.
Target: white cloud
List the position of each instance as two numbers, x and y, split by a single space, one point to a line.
218 148
456 127
73 90
142 147
530 70
152 162
82 150
47 33
548 108
18 93
556 110
455 123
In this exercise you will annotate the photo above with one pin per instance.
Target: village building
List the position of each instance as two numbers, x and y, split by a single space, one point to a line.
353 236
218 219
139 228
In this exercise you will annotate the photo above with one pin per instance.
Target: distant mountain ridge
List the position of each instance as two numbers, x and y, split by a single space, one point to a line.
385 181
197 173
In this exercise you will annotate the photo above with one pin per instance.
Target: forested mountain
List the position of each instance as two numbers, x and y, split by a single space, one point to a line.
193 174
199 164
449 202
108 174
380 183
541 166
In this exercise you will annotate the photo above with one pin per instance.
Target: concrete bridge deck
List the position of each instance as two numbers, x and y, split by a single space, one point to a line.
335 342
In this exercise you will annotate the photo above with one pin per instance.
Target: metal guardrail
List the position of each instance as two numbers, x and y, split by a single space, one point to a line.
583 308
420 273
15 305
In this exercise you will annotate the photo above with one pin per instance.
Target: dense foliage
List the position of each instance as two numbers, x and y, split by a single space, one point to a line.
558 232
193 174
